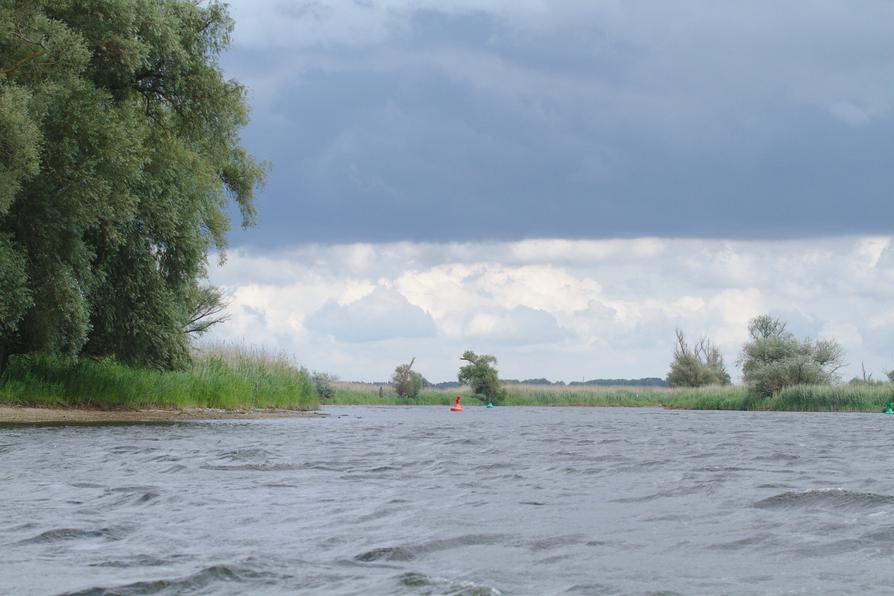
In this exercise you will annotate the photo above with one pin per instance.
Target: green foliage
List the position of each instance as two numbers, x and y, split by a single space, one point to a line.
696 366
407 383
119 152
323 385
15 298
481 376
773 358
218 380
19 142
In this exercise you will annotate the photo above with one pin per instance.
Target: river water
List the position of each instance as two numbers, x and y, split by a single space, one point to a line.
372 500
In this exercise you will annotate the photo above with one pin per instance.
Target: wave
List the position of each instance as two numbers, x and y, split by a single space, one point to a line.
411 551
65 534
386 553
414 579
197 581
834 498
251 467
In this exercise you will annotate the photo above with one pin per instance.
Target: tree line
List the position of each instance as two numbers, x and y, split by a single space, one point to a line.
119 154
771 358
479 373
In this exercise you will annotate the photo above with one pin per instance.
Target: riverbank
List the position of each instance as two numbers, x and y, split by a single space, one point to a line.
27 415
800 398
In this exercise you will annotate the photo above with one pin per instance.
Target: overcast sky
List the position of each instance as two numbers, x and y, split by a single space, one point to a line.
561 183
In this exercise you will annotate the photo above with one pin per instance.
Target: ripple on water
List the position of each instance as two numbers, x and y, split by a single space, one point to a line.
383 502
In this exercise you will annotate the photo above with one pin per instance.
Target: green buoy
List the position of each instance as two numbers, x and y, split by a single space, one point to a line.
490 404
888 409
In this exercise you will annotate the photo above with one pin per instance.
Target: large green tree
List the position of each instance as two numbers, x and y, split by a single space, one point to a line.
119 152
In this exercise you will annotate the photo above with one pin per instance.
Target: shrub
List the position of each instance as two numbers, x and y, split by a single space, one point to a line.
696 366
323 386
774 358
406 382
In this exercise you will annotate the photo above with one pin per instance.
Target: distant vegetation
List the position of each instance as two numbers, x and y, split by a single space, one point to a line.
644 382
697 365
406 382
810 398
223 377
323 384
481 376
781 373
773 358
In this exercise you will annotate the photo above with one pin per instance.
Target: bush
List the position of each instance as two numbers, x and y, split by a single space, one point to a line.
773 358
323 386
697 366
407 383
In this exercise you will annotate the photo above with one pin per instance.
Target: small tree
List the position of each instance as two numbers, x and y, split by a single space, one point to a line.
407 383
774 358
481 375
701 364
323 386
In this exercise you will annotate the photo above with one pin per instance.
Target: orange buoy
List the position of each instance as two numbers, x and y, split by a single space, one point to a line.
456 406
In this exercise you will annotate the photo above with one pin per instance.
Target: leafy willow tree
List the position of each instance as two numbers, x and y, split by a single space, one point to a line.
119 152
774 358
698 365
481 375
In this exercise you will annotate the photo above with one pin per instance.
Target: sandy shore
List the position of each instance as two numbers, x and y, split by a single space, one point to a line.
52 415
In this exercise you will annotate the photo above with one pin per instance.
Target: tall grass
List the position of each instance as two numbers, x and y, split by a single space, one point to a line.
833 398
368 394
220 377
809 398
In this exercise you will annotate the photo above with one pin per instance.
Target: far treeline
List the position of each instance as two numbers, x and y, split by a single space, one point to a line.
780 372
119 158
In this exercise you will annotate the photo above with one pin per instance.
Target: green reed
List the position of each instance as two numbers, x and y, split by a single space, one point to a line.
226 379
863 398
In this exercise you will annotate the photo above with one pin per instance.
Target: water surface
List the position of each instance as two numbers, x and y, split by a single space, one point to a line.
421 501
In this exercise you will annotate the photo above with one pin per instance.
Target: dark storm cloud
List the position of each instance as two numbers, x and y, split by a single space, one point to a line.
503 120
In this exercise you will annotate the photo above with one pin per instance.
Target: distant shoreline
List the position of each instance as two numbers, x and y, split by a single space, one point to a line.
28 415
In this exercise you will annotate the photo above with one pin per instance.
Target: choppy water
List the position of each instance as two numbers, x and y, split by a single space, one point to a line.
422 501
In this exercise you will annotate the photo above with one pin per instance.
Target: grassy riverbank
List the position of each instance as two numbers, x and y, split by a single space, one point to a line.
807 398
224 379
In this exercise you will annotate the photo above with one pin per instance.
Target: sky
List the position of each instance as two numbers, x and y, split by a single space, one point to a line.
560 183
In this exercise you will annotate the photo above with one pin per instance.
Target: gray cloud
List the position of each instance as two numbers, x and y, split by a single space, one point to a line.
504 120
